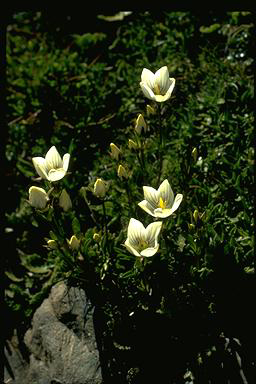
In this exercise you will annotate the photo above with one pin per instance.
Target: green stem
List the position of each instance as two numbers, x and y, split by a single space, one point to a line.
129 197
160 145
105 225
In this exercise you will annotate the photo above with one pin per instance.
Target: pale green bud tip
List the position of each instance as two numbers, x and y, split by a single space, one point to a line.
65 201
74 243
150 110
96 237
115 151
52 244
191 227
122 172
194 154
195 215
132 144
140 124
100 188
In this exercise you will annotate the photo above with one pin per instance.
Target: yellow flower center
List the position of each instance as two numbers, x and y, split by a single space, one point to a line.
162 203
157 89
142 245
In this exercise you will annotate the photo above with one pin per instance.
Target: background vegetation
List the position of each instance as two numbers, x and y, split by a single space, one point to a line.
73 82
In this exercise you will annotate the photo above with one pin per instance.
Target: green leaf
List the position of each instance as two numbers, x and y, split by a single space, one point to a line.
210 29
12 277
76 226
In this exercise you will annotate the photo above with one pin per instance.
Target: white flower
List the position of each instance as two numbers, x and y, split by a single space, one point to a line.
38 198
52 167
160 203
158 86
64 200
100 188
142 241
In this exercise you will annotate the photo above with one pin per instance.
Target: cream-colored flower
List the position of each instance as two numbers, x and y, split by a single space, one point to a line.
160 203
74 243
122 172
140 124
142 241
38 198
64 200
158 86
52 167
115 151
100 188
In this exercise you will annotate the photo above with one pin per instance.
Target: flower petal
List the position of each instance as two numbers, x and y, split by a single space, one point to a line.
40 166
65 161
177 201
56 174
147 207
161 99
130 248
162 213
151 195
135 232
147 91
148 252
162 79
148 78
152 232
165 191
53 159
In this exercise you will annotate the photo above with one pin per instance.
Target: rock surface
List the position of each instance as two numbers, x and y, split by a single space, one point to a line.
61 343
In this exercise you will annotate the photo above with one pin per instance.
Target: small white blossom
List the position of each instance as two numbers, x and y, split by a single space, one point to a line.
142 241
160 203
158 86
52 167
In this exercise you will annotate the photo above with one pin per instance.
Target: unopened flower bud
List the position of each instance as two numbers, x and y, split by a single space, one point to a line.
122 172
64 201
150 110
100 188
194 154
38 198
74 243
140 124
191 227
96 237
115 151
132 144
196 215
52 244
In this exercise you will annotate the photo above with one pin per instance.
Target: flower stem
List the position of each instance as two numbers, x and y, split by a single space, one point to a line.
160 144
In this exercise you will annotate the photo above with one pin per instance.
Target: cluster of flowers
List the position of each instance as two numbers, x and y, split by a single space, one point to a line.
159 203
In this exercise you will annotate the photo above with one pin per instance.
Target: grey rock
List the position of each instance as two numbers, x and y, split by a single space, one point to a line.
61 343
